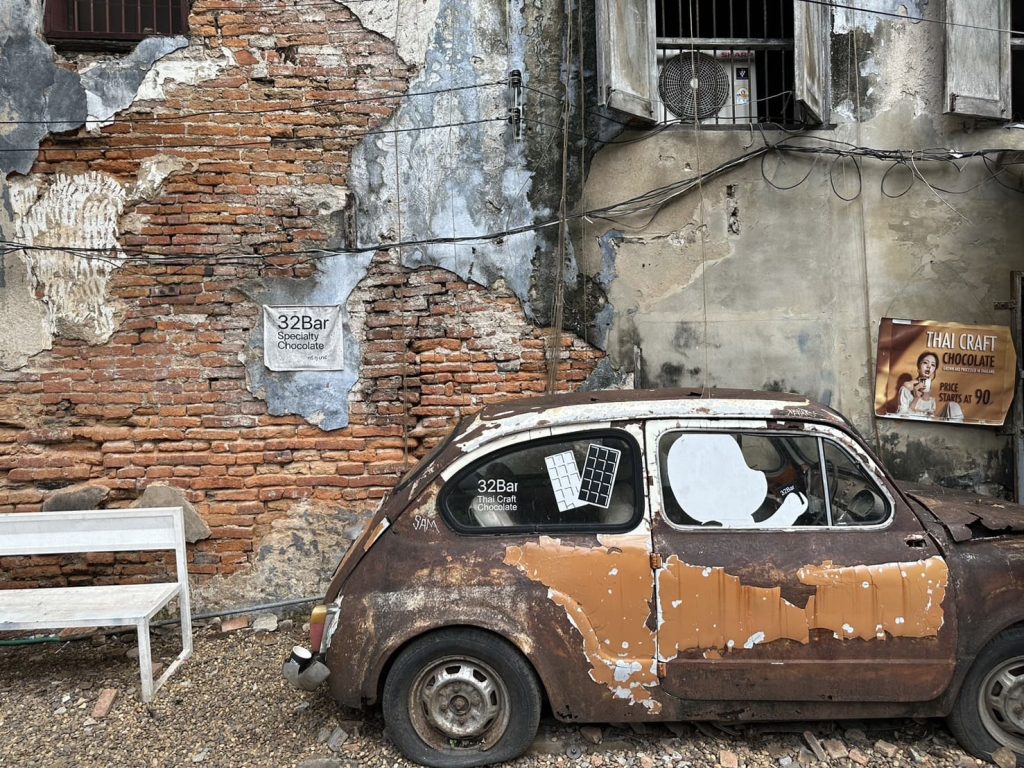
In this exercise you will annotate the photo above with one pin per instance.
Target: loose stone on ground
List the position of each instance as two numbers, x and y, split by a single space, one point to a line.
228 706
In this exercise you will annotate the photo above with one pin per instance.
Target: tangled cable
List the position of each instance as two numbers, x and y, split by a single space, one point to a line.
842 155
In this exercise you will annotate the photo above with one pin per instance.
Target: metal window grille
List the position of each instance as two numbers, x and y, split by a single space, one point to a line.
738 53
115 19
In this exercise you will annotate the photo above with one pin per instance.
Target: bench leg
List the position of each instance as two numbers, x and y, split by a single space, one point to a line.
145 660
185 611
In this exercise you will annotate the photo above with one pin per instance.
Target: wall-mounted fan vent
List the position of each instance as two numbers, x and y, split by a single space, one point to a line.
694 86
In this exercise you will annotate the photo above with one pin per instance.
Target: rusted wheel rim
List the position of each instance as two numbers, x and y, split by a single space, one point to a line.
1001 703
459 702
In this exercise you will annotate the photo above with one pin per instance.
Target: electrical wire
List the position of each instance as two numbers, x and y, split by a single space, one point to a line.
649 202
828 3
271 142
298 109
892 14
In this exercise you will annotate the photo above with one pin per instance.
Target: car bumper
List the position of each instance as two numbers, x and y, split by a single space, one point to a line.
303 670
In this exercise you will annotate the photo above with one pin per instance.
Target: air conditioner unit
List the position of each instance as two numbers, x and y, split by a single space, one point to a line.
715 89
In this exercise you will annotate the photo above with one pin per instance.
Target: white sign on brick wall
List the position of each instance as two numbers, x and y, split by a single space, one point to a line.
303 338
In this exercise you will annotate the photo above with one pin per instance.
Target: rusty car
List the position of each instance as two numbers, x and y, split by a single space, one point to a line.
669 555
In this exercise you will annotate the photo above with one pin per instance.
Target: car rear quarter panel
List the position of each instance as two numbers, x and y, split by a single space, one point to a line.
420 576
990 576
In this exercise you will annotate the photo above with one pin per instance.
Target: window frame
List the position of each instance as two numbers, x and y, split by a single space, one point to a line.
622 87
820 432
497 453
56 27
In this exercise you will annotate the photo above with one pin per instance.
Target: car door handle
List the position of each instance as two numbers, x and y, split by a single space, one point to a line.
916 540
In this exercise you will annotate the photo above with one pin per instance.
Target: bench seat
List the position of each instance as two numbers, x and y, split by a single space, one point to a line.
118 605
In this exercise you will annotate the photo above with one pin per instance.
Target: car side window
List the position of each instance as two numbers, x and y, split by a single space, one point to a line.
854 497
757 480
584 481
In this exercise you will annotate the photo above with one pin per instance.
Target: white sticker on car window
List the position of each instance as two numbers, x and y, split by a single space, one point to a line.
713 484
565 480
593 485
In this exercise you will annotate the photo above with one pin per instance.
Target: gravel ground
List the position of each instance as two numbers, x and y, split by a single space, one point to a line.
229 706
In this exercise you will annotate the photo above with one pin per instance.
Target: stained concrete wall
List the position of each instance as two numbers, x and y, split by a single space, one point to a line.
740 284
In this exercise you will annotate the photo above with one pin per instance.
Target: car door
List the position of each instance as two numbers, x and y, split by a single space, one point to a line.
790 570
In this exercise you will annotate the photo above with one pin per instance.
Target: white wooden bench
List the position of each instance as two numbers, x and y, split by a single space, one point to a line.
117 605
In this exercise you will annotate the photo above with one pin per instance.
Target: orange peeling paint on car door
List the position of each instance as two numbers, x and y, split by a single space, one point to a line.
606 593
702 607
870 601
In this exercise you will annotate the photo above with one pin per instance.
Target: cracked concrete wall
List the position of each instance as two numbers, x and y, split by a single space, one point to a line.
743 285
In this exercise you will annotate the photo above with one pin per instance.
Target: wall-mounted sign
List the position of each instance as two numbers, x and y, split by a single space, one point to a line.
963 374
302 338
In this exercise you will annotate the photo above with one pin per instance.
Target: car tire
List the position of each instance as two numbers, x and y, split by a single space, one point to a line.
989 711
461 697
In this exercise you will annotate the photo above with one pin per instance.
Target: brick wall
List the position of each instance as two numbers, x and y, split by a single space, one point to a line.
164 400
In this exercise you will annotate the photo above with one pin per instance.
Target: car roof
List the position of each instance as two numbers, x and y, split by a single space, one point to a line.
634 404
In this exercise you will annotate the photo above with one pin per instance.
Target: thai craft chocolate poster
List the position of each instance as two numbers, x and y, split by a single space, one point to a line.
949 372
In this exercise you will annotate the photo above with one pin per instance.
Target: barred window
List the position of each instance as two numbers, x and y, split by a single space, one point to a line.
719 62
738 54
114 21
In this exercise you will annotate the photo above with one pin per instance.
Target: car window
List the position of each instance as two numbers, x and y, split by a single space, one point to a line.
585 481
757 480
760 453
855 497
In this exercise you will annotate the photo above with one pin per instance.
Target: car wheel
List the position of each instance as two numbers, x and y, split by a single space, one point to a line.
989 712
461 697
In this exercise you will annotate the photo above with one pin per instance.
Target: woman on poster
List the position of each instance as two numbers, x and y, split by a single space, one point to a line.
916 397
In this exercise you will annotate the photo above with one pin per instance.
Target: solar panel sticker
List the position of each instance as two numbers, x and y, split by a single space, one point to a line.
565 480
599 475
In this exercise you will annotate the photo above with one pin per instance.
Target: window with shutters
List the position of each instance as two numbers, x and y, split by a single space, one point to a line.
982 56
720 62
113 23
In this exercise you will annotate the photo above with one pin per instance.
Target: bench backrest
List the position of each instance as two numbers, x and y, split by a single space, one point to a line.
101 530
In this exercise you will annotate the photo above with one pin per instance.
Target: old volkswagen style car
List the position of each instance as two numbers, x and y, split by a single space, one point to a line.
669 555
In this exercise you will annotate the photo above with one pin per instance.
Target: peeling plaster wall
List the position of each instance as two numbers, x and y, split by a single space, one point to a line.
31 84
63 294
227 146
82 210
472 179
320 397
785 289
110 86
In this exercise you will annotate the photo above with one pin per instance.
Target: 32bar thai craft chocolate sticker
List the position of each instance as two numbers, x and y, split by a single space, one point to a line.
949 372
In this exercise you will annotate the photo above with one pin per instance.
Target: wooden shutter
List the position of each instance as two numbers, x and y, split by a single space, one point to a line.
625 57
978 60
812 44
